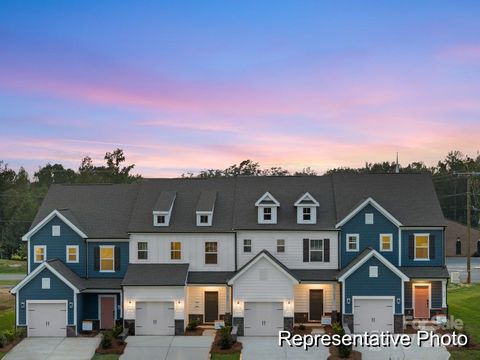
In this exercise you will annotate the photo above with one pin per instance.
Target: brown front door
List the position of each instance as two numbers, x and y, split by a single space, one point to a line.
422 307
211 306
316 305
107 312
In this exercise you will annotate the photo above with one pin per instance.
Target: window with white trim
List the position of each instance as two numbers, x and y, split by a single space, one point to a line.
353 241
280 246
247 246
211 252
422 246
45 283
368 218
307 213
40 253
107 258
142 250
161 219
55 230
175 250
316 250
72 254
373 271
386 242
267 214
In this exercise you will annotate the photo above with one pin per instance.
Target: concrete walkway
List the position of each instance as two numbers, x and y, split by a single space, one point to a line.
12 276
77 348
167 348
255 348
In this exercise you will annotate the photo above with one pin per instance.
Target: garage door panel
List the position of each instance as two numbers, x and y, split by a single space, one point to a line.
263 319
47 319
155 318
373 315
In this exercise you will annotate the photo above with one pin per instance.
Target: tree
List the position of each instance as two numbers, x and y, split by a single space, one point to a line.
55 173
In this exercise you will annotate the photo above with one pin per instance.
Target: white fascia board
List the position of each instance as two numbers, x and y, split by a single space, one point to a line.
376 206
49 217
309 197
263 197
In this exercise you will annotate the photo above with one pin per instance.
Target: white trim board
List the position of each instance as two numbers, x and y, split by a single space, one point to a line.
376 206
306 196
265 196
49 217
429 285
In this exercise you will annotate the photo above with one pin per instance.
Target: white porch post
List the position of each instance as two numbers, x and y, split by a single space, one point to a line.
444 293
334 304
228 304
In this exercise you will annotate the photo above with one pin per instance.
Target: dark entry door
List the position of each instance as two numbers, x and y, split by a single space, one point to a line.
211 306
316 304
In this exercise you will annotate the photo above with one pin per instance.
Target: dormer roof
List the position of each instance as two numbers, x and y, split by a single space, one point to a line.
307 200
267 199
206 201
165 202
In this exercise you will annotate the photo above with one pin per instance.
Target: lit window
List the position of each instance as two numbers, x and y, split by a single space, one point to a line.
45 283
107 257
211 253
316 250
56 230
72 254
175 250
280 246
307 214
352 242
142 250
421 247
40 253
247 245
369 219
267 213
386 242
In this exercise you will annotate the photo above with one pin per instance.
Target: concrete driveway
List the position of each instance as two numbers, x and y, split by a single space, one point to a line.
255 348
78 348
167 347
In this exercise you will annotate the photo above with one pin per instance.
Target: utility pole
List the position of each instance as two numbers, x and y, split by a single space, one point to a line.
469 226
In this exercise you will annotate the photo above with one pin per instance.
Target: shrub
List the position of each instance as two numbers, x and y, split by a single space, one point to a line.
192 325
107 340
301 327
226 340
9 335
3 340
21 332
343 350
117 330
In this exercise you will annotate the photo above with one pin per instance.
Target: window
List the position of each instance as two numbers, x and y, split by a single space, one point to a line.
280 246
142 250
160 219
307 214
40 253
373 271
107 258
247 245
203 219
352 242
458 247
56 230
421 246
386 242
72 253
45 283
211 252
175 250
369 218
267 213
316 250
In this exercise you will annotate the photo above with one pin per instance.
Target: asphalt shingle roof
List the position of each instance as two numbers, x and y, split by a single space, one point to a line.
209 277
425 272
156 275
206 202
165 200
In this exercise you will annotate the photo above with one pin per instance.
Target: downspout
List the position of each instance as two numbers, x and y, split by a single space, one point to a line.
86 269
235 261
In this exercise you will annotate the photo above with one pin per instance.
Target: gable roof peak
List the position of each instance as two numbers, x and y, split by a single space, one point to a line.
307 200
267 199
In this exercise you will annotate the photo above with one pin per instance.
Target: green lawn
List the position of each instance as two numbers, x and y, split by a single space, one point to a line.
7 310
12 266
105 357
2 354
465 355
234 356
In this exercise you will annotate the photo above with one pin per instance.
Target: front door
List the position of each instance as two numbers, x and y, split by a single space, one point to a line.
211 306
316 305
107 312
422 306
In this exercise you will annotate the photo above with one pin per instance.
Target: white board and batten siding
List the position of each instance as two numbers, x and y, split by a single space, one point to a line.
193 250
302 297
293 255
196 299
134 294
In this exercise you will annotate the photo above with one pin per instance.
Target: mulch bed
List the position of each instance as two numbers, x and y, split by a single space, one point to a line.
236 347
305 331
354 355
196 332
88 333
118 346
11 345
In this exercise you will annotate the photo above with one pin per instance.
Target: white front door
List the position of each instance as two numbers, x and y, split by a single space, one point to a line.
372 315
263 318
154 318
47 319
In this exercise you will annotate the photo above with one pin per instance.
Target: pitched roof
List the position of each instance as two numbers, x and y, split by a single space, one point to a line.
165 201
425 272
156 275
68 274
102 283
307 275
355 261
209 277
206 202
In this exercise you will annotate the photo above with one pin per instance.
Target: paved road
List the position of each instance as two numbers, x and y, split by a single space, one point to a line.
460 264
257 348
12 276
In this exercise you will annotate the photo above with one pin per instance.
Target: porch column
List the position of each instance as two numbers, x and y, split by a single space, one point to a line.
334 304
444 294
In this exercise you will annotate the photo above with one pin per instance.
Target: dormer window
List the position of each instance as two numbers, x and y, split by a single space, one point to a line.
162 211
267 209
205 207
306 209
204 219
161 219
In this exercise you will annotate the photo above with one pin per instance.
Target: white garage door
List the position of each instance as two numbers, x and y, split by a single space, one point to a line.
154 318
373 315
47 319
263 319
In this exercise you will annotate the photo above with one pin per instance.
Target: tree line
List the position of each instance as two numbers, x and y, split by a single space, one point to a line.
21 196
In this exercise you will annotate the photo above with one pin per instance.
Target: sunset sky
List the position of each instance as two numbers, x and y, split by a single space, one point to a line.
187 85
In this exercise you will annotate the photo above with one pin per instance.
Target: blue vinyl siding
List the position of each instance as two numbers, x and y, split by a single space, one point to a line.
408 295
439 248
57 245
33 291
369 235
361 284
79 312
124 248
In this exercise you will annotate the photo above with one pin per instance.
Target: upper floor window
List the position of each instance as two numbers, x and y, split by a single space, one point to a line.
161 219
368 218
204 219
267 214
352 242
175 250
306 209
247 245
40 253
386 243
280 246
107 258
56 230
211 254
72 253
142 250
267 209
316 250
307 214
421 246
